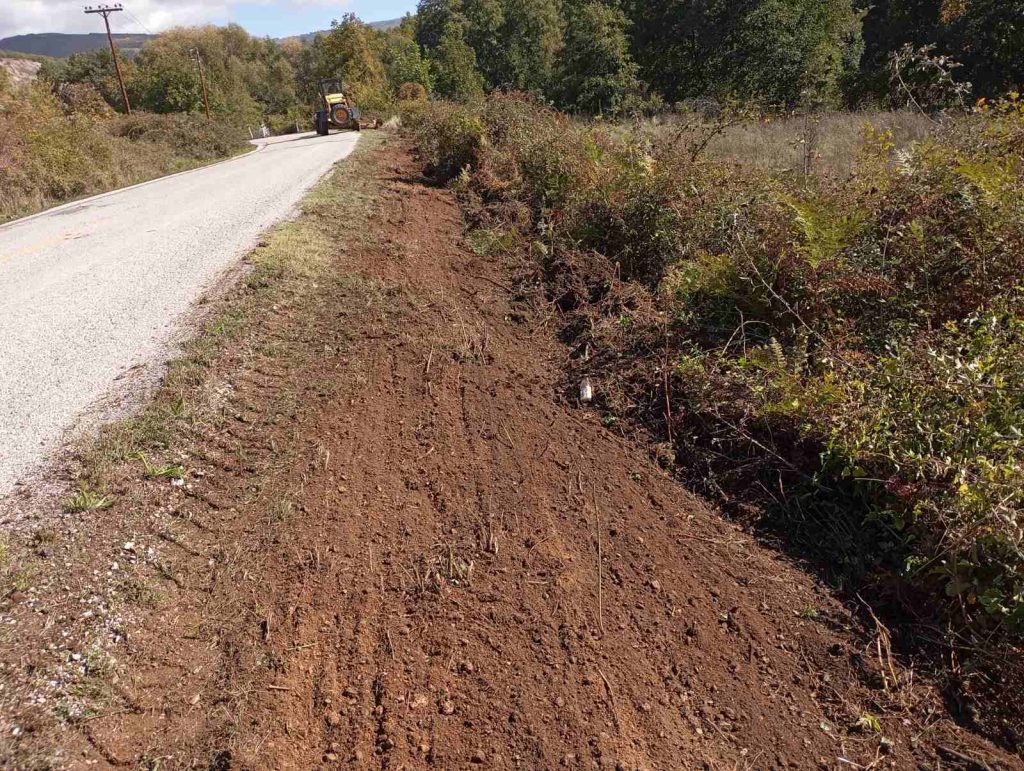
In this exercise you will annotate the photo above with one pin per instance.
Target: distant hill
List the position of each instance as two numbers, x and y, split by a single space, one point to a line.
382 25
387 24
61 45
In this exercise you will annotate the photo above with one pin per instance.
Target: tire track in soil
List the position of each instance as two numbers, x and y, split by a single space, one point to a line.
457 623
456 454
397 563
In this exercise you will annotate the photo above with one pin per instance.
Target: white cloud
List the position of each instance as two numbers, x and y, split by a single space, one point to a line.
19 17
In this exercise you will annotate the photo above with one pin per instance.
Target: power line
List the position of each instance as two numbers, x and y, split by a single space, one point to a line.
105 11
135 18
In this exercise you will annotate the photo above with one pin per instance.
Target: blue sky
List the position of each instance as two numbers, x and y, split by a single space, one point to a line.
276 21
273 18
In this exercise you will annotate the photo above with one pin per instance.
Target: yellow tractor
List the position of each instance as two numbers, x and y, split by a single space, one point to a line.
335 109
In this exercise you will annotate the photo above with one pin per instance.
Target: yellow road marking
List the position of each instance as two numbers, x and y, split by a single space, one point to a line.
40 245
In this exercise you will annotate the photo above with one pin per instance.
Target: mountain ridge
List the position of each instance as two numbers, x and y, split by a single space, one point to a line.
62 44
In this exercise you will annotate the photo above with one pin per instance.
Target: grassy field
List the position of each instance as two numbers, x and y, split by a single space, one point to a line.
823 145
829 144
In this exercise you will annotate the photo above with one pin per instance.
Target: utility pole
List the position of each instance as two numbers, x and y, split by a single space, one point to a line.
105 11
202 78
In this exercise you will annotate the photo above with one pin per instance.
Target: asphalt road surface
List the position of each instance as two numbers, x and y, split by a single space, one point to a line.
93 289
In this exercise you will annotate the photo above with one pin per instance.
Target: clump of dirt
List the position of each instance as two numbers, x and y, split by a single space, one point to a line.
398 548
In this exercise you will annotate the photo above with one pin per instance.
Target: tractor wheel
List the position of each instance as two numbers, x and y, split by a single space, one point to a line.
321 124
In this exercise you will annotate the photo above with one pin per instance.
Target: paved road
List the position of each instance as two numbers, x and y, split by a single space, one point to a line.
98 287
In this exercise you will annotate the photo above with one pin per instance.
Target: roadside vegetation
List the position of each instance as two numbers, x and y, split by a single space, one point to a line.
785 236
58 148
66 135
838 350
786 239
586 57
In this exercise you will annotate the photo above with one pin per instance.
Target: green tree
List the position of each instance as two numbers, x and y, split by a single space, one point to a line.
94 68
349 52
531 38
794 51
453 67
777 51
484 23
403 59
888 26
515 43
680 43
596 73
987 37
168 80
246 76
434 18
310 64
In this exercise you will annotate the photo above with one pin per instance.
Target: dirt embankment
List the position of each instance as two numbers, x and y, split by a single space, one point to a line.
398 546
21 71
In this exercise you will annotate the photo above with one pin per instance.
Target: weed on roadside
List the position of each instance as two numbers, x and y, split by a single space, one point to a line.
453 567
86 499
14 575
171 471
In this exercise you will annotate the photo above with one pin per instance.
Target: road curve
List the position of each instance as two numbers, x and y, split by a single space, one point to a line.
95 288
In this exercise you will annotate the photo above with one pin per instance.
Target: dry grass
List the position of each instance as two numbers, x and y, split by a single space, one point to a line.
53 151
826 145
290 261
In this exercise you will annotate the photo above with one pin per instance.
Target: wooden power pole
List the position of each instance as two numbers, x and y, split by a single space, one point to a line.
105 11
202 79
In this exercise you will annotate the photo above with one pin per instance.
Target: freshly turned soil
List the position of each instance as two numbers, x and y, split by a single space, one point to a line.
427 555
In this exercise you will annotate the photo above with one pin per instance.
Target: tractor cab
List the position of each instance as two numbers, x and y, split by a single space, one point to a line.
336 111
331 92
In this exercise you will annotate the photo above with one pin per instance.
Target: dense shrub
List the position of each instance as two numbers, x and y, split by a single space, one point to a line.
53 149
412 92
292 122
187 136
853 344
449 137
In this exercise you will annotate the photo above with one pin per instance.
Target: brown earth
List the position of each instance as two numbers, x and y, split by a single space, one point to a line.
401 545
